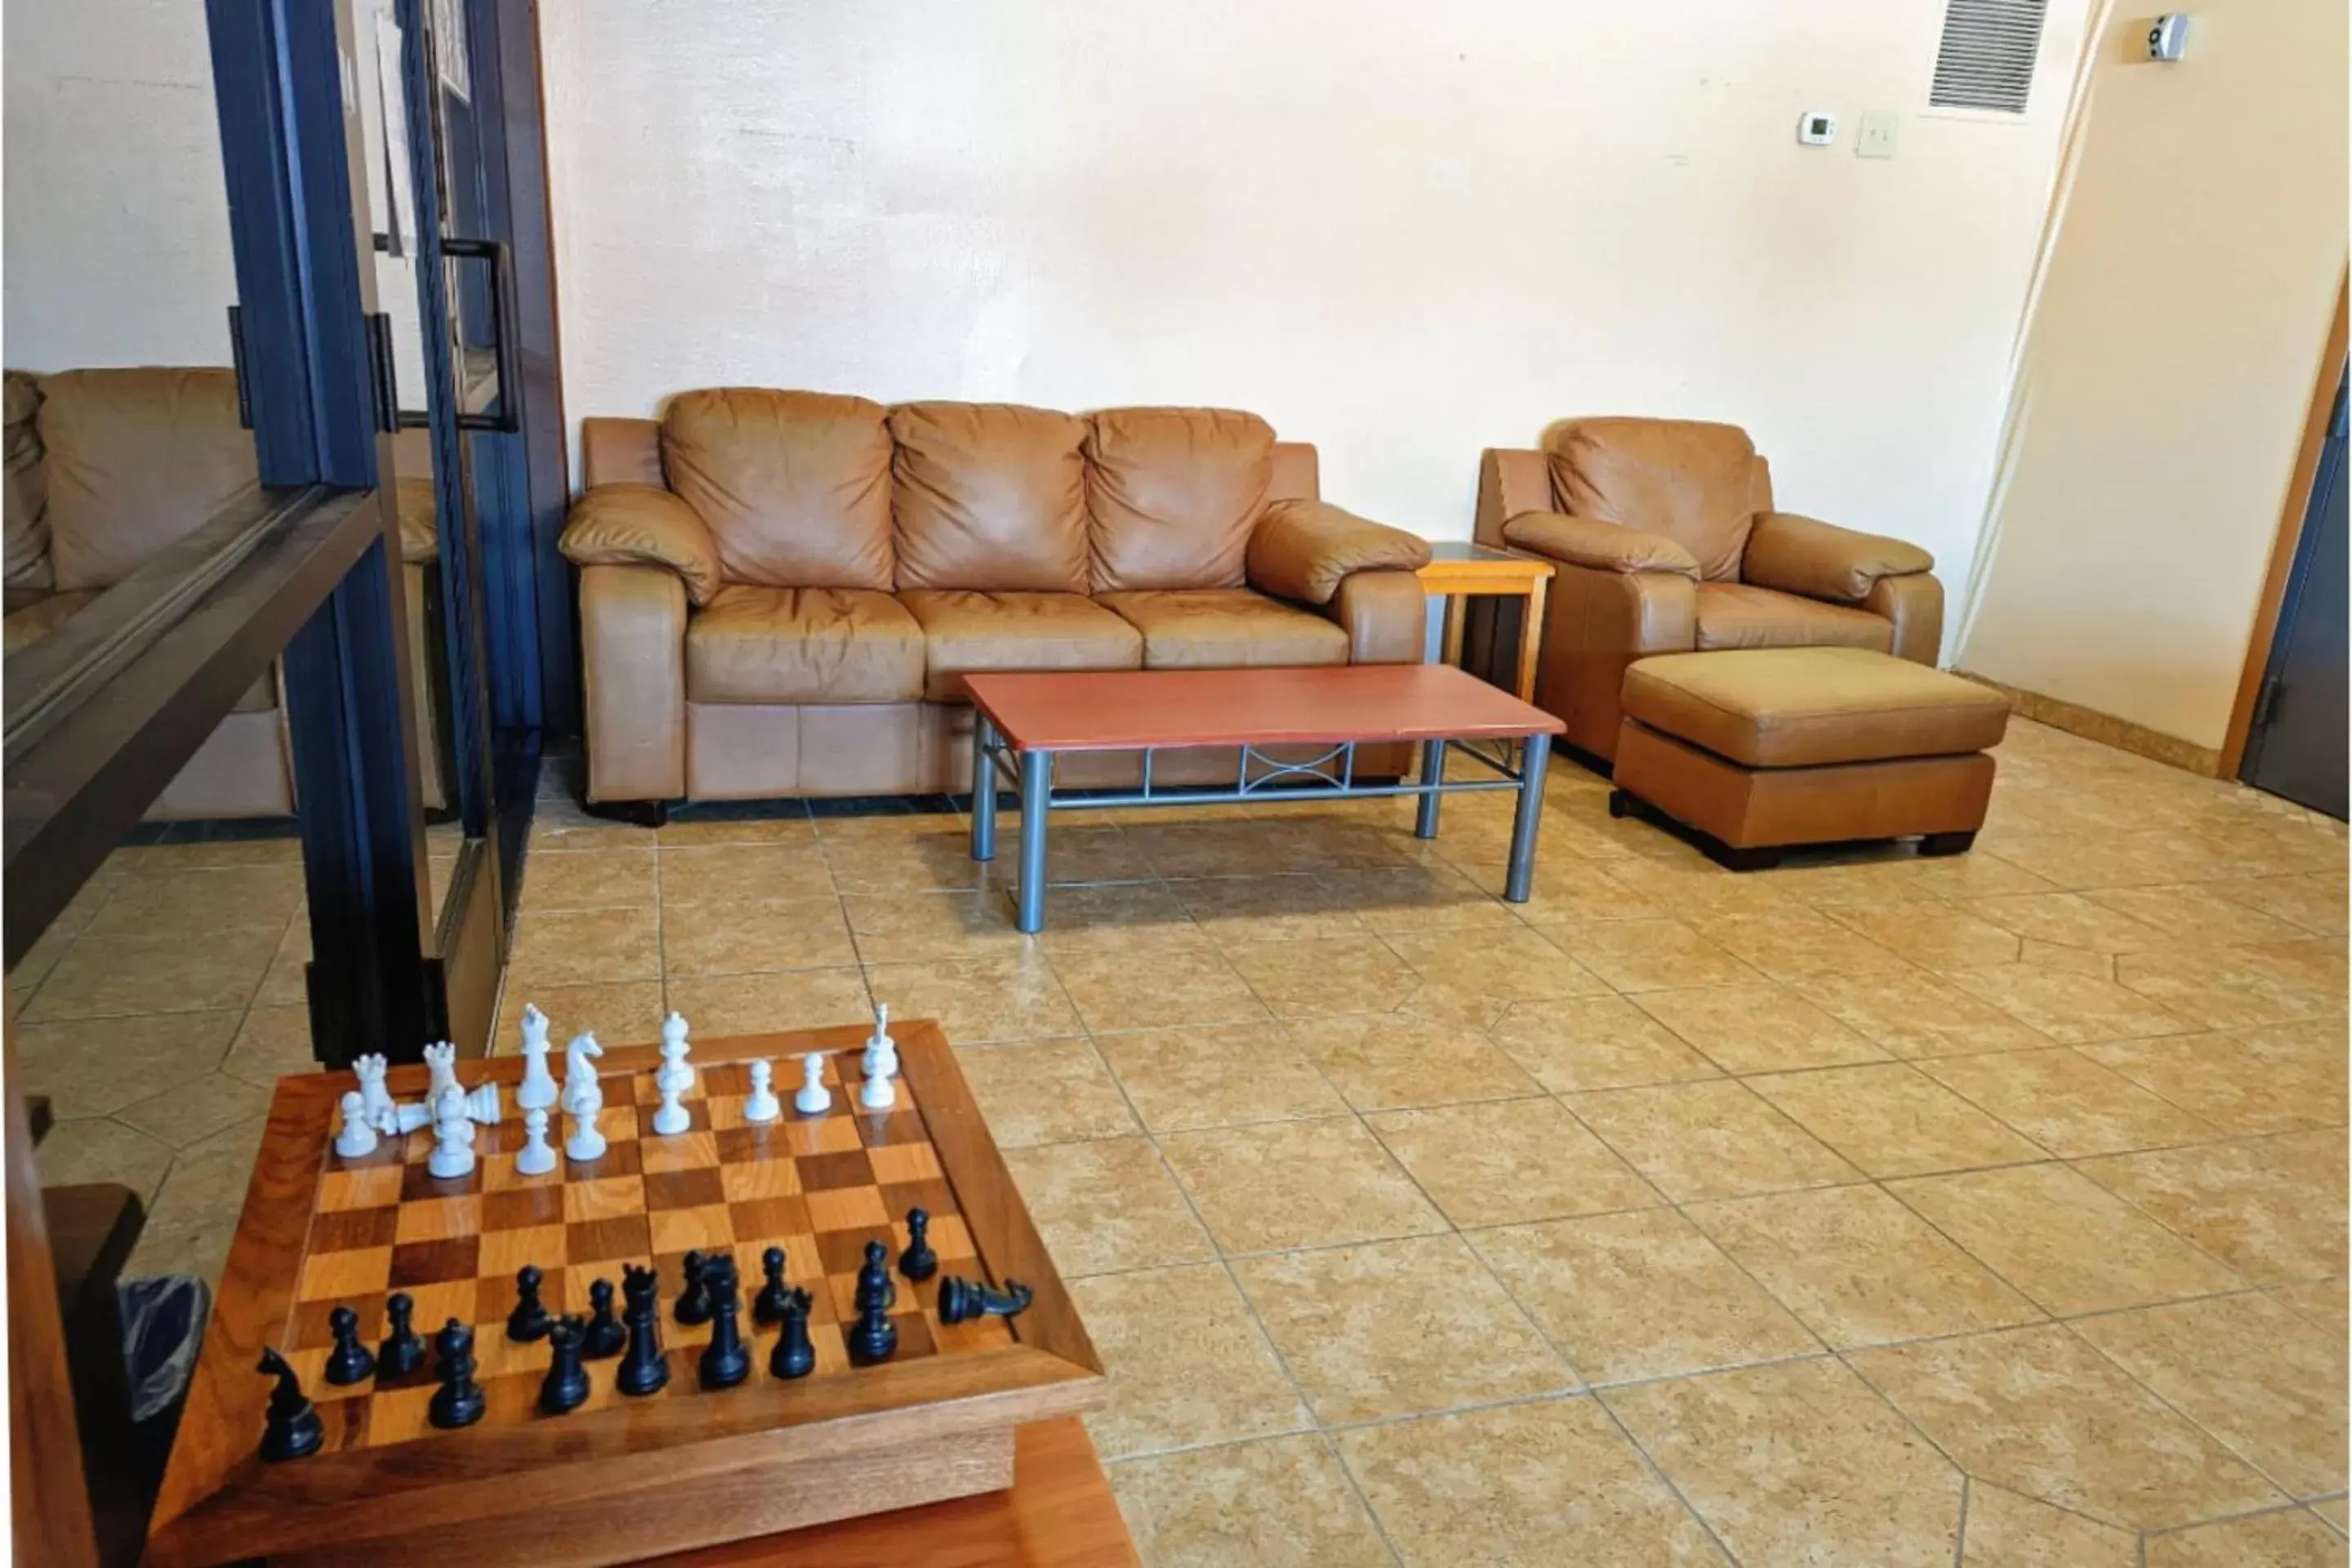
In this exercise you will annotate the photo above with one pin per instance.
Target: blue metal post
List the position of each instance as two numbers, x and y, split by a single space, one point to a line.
1535 760
1036 778
983 788
1433 771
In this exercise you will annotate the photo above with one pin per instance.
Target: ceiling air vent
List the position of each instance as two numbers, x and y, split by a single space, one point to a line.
1986 58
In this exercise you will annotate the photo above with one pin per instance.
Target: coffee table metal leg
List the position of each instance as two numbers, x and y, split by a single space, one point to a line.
1036 775
1433 771
1535 760
983 788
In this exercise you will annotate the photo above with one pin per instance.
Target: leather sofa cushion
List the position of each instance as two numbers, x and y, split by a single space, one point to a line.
988 495
1227 629
136 459
27 560
1740 615
1171 494
967 631
1697 483
754 644
1798 707
795 486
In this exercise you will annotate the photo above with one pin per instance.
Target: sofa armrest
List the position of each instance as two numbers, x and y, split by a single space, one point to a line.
1383 613
643 525
633 667
1599 546
1303 549
1820 561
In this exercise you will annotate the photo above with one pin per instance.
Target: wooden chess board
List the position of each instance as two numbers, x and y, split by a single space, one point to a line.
620 1476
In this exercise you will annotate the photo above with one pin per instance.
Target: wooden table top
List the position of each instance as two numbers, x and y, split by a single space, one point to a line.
1458 566
1127 709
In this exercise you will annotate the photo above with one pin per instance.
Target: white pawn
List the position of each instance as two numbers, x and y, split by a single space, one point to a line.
879 1043
538 1088
886 1060
453 1138
812 1098
357 1137
375 1100
670 1118
587 1142
441 1058
535 1157
763 1105
875 1093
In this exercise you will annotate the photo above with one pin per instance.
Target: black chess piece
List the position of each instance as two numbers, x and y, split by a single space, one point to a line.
960 1301
794 1356
348 1362
529 1319
725 1363
642 1367
294 1430
768 1307
693 1301
874 1277
605 1334
919 1261
403 1351
874 1337
458 1402
567 1380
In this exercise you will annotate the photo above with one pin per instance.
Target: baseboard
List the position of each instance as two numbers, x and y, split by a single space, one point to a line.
2106 729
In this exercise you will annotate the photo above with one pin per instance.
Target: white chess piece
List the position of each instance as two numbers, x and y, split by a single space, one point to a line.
453 1137
535 1157
407 1118
675 1067
813 1098
879 1043
886 1059
357 1137
482 1104
762 1104
375 1100
579 1075
877 1093
670 1118
587 1142
537 1091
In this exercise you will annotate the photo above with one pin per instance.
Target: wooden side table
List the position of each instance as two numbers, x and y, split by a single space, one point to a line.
1458 570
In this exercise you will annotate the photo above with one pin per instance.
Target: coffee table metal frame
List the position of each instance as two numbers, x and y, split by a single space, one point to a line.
1331 775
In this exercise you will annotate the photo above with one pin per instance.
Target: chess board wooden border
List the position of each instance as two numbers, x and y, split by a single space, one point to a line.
633 1480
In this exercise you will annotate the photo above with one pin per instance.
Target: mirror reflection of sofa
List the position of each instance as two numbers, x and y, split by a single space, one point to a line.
781 592
105 468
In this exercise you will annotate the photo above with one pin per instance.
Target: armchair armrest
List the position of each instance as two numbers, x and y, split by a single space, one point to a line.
1599 546
1303 550
643 525
1804 555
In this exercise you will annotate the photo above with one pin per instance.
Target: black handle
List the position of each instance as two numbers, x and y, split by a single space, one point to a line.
508 417
236 366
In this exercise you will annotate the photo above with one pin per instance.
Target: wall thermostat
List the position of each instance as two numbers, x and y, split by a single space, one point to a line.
1818 127
2168 36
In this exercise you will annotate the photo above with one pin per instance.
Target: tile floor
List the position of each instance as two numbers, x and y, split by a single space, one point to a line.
1876 1211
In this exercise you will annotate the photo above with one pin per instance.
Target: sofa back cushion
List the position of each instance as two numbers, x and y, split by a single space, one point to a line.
1694 482
27 561
135 460
1171 494
988 495
795 486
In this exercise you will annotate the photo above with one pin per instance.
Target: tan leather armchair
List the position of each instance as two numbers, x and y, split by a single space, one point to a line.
781 593
1667 541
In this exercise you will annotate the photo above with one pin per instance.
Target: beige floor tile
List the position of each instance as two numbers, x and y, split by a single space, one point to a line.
94 1066
917 928
626 1013
1686 887
1282 1503
2268 1385
1156 991
1184 1079
745 939
270 1043
1785 944
1649 955
2272 1208
1859 1268
2067 1102
743 873
760 1004
1216 848
1398 1328
2337 1512
1140 918
2040 1412
789 831
1073 856
567 834
1566 888
1312 979
2008 1530
1934 935
1553 1482
203 900
193 1110
1106 1205
1976 876
1516 964
2262 1080
585 947
201 1250
2071 1008
1383 1064
1916 1013
2312 900
1408 900
590 880
1890 1120
2242 987
2327 1303
1292 908
200 970
1712 1140
92 1149
978 1000
1596 1042
1297 1184
1800 1463
1046 1092
888 864
1758 1028
2069 920
1506 1162
208 1180
2290 1539
1188 1363
1640 1295
2197 917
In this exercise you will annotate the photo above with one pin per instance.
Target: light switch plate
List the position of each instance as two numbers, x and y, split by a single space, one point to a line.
1873 136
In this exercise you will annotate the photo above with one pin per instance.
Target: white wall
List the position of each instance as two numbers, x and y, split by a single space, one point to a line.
1400 230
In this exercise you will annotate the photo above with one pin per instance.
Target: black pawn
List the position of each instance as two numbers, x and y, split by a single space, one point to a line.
794 1356
458 1400
725 1361
642 1367
529 1320
919 1261
693 1301
874 1337
403 1351
567 1380
294 1430
348 1362
605 1334
768 1307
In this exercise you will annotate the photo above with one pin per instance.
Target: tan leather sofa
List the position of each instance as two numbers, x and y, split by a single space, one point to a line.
1667 541
781 591
107 467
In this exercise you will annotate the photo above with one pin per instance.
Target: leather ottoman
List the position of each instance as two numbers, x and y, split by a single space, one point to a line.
1754 750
